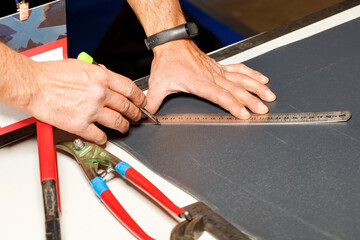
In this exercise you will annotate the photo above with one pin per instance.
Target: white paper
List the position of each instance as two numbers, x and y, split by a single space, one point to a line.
9 115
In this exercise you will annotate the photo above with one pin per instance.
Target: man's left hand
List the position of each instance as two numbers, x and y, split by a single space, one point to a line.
180 66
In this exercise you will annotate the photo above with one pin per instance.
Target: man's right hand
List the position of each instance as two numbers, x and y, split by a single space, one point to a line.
72 95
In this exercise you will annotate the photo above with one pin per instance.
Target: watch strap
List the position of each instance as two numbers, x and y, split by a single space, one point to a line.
187 30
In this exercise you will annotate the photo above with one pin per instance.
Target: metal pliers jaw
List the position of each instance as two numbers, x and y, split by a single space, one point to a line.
92 157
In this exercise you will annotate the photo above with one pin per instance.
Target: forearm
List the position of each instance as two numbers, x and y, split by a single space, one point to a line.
180 66
157 15
17 73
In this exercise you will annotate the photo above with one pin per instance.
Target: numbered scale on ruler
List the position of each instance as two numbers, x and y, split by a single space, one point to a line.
272 118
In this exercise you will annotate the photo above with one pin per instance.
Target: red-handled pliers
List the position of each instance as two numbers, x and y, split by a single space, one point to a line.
91 156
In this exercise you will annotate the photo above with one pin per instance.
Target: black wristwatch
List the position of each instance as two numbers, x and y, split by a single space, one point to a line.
187 30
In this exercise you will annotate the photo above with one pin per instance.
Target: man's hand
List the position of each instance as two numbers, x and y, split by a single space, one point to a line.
72 95
180 66
69 94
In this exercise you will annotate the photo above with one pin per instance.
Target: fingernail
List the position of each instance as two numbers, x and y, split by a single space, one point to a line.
264 78
102 141
270 94
144 104
244 113
262 107
139 116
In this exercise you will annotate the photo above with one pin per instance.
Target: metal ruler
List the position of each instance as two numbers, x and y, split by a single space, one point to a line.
271 118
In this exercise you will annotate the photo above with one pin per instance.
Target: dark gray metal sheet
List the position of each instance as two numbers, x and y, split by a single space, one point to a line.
275 182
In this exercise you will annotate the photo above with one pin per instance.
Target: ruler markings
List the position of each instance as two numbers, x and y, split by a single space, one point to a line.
271 118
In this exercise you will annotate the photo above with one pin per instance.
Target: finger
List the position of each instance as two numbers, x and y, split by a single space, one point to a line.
242 68
93 134
122 105
154 98
222 97
251 85
112 119
243 96
127 88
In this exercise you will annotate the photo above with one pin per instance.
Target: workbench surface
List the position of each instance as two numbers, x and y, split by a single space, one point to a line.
275 182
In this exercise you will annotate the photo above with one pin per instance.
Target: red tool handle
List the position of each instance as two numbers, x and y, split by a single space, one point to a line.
120 213
139 180
47 155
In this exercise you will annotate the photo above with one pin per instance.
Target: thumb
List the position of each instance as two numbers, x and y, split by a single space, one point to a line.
154 100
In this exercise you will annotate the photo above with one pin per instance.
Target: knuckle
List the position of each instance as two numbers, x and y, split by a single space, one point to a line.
132 90
242 78
216 69
95 74
224 95
118 122
261 89
136 95
99 93
79 127
125 106
264 88
100 73
256 73
237 91
97 83
252 102
121 124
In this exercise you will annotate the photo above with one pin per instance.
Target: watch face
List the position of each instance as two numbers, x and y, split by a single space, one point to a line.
192 29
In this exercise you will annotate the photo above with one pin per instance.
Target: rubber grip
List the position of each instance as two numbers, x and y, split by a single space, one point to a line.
115 207
47 151
47 155
83 56
139 180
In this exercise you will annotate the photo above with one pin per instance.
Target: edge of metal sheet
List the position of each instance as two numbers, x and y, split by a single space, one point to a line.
259 39
142 83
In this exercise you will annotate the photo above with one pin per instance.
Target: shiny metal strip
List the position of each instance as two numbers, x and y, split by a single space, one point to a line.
271 118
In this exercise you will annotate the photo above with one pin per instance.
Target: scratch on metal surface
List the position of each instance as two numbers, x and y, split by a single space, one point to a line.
196 161
277 138
294 108
325 67
346 135
218 174
287 213
314 71
271 204
312 226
